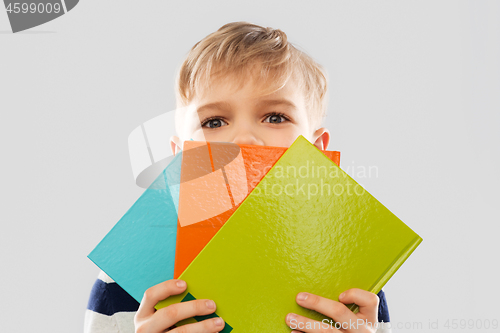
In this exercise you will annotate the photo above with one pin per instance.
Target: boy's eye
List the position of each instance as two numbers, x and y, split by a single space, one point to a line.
275 118
213 123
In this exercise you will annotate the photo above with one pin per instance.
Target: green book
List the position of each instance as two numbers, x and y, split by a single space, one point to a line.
307 226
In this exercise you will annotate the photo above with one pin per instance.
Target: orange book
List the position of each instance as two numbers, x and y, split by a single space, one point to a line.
213 177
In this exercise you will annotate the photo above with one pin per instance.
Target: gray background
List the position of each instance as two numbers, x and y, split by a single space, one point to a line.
414 92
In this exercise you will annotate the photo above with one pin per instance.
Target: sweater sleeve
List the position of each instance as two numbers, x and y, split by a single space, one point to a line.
110 309
383 314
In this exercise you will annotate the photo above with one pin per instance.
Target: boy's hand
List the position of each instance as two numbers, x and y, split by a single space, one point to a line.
346 320
149 320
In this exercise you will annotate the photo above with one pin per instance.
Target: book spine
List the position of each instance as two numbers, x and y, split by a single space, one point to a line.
400 259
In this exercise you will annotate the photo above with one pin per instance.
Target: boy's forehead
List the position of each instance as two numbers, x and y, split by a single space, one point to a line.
251 86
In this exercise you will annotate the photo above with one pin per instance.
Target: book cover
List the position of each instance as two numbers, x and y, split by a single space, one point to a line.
205 204
307 226
139 251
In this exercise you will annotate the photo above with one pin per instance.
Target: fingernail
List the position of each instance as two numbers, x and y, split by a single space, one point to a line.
302 296
210 304
341 295
181 283
219 321
291 316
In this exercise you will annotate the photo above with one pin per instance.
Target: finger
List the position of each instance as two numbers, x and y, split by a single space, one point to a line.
158 293
333 309
174 313
304 324
207 325
367 302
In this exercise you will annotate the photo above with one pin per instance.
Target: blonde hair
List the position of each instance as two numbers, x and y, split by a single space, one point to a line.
239 47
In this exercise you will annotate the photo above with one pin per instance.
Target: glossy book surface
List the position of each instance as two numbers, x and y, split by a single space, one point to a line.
307 226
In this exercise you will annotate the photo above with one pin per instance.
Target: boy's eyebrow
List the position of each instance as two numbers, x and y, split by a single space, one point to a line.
273 102
224 106
216 105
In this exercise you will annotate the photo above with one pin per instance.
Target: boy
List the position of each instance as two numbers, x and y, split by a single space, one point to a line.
243 84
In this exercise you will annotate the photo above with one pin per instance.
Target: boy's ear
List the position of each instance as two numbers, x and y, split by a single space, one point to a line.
175 144
321 138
